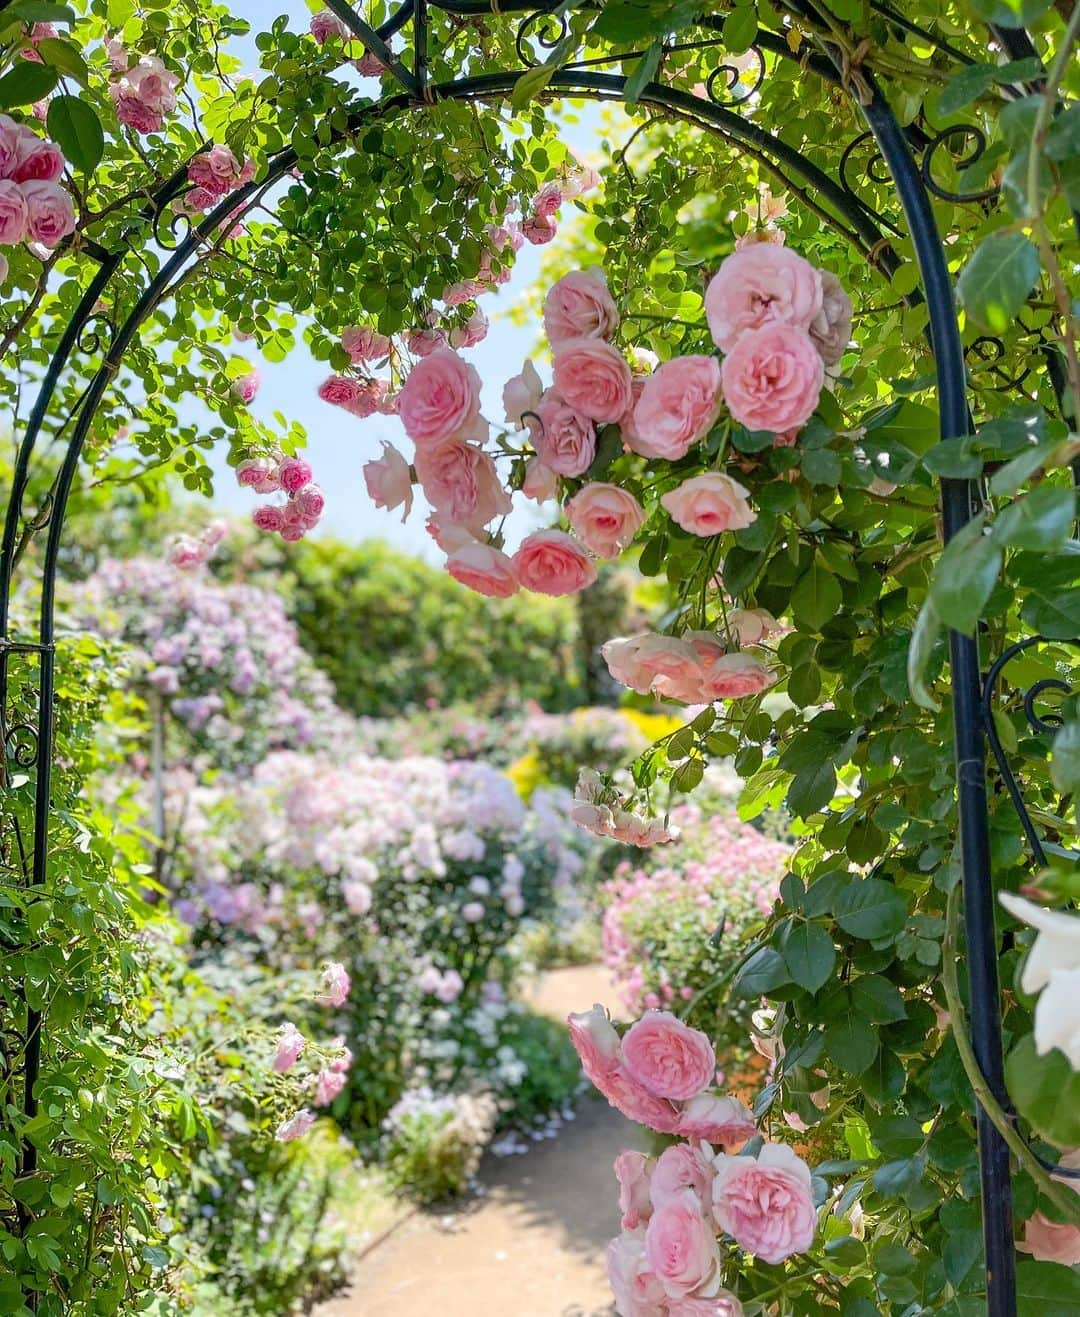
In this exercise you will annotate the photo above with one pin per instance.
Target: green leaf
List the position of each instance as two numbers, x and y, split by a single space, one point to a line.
688 775
643 74
928 629
1047 1289
76 129
812 789
1056 616
26 83
878 1000
62 55
965 574
1046 1091
1041 519
1063 139
972 81
764 971
1010 13
39 11
1065 764
816 597
1020 469
809 955
851 1043
995 283
871 909
740 29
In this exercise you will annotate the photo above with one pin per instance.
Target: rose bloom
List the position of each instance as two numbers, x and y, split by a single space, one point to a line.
37 159
343 391
680 1246
765 1203
269 518
483 569
216 171
645 662
593 378
440 399
538 231
735 676
521 394
681 1166
389 482
11 140
761 285
579 306
831 327
50 216
709 504
605 517
473 331
772 378
325 25
564 438
667 1057
290 1043
595 1041
721 1304
550 562
310 502
637 1291
133 112
633 1171
1056 947
294 473
245 387
423 342
1055 1241
625 1094
448 535
716 1119
1057 1016
12 213
295 1127
327 1086
676 408
751 625
363 344
369 65
636 830
153 84
540 482
460 481
335 985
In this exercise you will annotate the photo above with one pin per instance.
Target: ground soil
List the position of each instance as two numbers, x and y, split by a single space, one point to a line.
533 1245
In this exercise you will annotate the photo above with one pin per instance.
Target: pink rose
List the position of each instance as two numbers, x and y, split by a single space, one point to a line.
676 407
761 285
667 1057
538 230
423 342
637 1291
269 518
328 1085
831 327
118 56
765 1203
343 391
460 481
681 1167
656 664
252 471
709 504
483 569
550 562
473 331
13 214
735 676
522 394
245 387
448 535
605 517
133 112
722 1304
564 438
593 378
440 399
186 552
294 473
625 1094
37 159
752 625
680 1246
152 84
363 344
633 1171
1055 1241
722 1120
290 1043
772 378
12 135
310 501
50 216
450 987
547 201
540 482
325 25
579 306
216 171
335 985
636 830
389 482
295 1127
595 1041
357 896
369 66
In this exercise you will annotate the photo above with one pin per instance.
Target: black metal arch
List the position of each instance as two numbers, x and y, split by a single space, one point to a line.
906 157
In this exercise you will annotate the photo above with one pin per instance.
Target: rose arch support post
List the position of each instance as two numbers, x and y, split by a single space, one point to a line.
856 220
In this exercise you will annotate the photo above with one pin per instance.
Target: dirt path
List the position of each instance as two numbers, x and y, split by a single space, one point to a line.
534 1245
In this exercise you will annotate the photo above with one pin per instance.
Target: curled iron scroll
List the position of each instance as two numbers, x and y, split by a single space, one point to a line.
874 171
733 90
955 139
983 356
543 28
21 743
1045 723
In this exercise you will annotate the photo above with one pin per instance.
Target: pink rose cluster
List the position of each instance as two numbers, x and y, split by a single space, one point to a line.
675 1207
33 205
325 25
598 808
213 175
697 667
187 552
144 93
292 476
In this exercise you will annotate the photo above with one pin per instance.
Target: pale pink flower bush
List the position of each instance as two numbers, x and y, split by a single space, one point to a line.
34 207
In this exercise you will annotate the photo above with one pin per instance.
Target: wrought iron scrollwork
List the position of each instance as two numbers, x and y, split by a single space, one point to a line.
983 356
955 139
21 744
543 29
97 334
734 90
874 171
1042 723
171 225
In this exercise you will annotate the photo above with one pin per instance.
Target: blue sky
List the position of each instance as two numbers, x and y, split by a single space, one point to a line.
338 444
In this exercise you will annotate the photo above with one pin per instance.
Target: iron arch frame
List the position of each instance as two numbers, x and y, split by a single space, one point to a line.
903 158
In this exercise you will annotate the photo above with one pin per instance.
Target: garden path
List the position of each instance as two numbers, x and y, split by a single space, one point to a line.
533 1245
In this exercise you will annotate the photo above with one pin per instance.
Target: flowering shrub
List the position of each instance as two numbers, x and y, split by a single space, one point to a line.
224 660
433 1144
